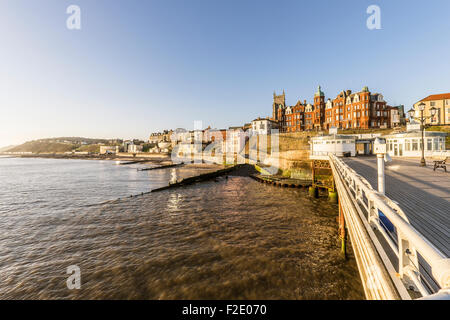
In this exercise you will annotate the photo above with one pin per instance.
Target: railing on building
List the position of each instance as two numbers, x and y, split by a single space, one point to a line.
383 238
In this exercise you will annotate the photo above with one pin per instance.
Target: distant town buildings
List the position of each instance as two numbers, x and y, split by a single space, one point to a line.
109 149
130 146
441 102
397 116
164 136
359 110
263 126
235 141
348 110
134 148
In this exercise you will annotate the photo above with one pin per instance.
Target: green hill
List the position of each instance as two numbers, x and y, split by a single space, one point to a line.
4 149
63 144
44 147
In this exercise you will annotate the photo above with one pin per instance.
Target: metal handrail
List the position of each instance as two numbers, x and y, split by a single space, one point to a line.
410 241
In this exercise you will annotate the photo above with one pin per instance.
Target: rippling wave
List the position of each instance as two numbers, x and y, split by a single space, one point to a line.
230 239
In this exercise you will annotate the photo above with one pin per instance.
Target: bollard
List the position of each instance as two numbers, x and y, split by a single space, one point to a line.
313 192
332 196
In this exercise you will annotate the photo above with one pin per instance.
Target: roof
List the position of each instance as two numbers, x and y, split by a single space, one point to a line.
264 119
441 96
333 137
415 134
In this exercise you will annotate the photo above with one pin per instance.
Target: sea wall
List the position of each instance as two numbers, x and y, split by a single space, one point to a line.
292 157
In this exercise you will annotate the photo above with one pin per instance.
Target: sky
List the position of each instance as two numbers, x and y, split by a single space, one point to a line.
137 67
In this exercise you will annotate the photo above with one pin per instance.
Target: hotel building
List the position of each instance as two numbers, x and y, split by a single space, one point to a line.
359 110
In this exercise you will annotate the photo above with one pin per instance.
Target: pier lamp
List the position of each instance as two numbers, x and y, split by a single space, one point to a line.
422 119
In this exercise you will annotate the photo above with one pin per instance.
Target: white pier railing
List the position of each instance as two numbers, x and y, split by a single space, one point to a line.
383 238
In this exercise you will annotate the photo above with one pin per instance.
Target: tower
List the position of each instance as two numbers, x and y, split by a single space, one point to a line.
319 109
279 102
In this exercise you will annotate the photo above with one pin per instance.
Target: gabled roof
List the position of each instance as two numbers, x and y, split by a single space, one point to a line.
441 96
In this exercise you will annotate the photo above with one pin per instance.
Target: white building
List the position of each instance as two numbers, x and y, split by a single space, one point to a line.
409 144
263 126
235 140
339 145
108 149
134 148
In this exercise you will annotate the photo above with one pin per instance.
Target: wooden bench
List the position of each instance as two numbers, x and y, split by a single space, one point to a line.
440 163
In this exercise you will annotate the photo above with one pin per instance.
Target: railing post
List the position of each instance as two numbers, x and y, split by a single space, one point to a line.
381 182
373 214
408 264
380 150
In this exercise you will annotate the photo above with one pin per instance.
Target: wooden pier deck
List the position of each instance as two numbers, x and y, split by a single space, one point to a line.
423 194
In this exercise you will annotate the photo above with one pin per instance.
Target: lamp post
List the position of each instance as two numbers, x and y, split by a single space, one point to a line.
422 119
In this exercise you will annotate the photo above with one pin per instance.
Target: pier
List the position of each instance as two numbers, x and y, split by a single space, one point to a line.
422 194
400 239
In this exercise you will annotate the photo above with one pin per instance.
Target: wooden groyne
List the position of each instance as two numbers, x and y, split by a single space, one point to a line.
282 182
135 161
199 178
161 167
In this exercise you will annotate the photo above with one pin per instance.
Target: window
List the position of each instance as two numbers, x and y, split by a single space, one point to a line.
429 144
414 145
432 103
407 145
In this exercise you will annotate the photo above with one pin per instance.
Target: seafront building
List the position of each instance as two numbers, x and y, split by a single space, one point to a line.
359 110
441 102
402 144
409 144
340 145
397 116
263 126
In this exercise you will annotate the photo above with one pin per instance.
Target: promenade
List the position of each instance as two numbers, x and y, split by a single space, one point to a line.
423 194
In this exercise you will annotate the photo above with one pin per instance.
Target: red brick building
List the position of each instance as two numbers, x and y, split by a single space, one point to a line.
359 110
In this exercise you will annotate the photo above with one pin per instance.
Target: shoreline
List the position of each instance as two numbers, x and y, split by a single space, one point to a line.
159 158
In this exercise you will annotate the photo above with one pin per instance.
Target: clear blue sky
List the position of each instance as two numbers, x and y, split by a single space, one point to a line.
142 66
